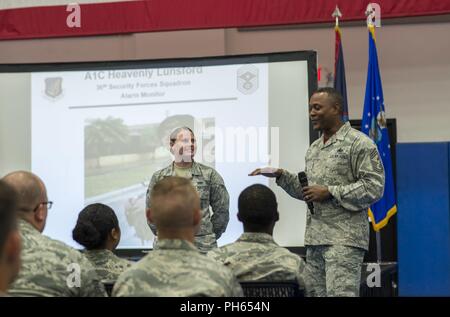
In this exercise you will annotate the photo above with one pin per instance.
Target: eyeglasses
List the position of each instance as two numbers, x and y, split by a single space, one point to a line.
48 203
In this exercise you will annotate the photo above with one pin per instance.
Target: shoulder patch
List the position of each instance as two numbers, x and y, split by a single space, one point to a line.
377 166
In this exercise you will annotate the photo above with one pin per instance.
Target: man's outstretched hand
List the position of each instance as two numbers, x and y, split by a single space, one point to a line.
267 171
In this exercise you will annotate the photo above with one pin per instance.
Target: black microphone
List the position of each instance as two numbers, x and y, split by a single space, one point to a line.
304 183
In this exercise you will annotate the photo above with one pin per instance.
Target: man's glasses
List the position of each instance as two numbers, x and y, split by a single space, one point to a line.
48 203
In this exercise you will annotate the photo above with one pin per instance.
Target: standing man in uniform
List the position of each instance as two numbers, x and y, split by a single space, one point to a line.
206 180
345 176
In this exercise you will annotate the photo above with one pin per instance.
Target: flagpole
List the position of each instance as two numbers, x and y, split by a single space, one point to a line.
339 68
377 233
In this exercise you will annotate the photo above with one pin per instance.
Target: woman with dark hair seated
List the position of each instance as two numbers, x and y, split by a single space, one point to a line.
98 230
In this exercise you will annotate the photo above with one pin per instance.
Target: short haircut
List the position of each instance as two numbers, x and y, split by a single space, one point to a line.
174 134
258 205
29 188
334 95
174 201
94 224
172 122
8 205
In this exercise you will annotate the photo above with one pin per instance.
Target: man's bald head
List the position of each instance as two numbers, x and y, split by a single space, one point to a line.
175 203
29 187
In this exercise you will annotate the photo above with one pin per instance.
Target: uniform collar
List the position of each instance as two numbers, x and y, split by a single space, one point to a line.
257 237
101 252
26 227
342 132
176 244
339 135
195 169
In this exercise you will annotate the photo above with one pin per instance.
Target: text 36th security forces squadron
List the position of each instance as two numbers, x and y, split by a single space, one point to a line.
145 74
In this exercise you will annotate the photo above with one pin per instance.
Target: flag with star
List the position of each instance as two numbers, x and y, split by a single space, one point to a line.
374 125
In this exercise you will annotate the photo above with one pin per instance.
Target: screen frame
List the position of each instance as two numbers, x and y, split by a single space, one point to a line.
309 56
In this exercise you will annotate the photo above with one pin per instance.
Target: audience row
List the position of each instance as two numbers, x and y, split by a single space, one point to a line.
32 264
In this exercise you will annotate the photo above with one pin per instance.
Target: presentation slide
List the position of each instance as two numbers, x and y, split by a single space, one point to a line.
98 135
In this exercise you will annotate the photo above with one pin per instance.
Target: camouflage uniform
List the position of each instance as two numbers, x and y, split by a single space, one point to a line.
333 270
212 191
257 257
107 265
176 268
46 268
350 166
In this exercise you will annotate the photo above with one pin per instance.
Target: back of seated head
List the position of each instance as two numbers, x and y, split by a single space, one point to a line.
257 207
175 204
94 225
29 188
32 197
8 205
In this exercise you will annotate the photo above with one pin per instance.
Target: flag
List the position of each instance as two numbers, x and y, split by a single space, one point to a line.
375 126
339 72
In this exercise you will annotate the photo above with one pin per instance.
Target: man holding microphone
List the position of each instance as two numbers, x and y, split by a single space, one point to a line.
345 176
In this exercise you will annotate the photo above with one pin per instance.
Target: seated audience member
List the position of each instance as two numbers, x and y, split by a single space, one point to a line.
255 256
98 230
10 244
176 267
49 267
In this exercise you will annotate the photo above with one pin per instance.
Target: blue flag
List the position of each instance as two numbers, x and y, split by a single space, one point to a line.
339 72
374 124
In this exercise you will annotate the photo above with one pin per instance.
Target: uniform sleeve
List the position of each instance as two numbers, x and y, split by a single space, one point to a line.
290 183
220 203
213 255
218 254
125 286
148 201
369 173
